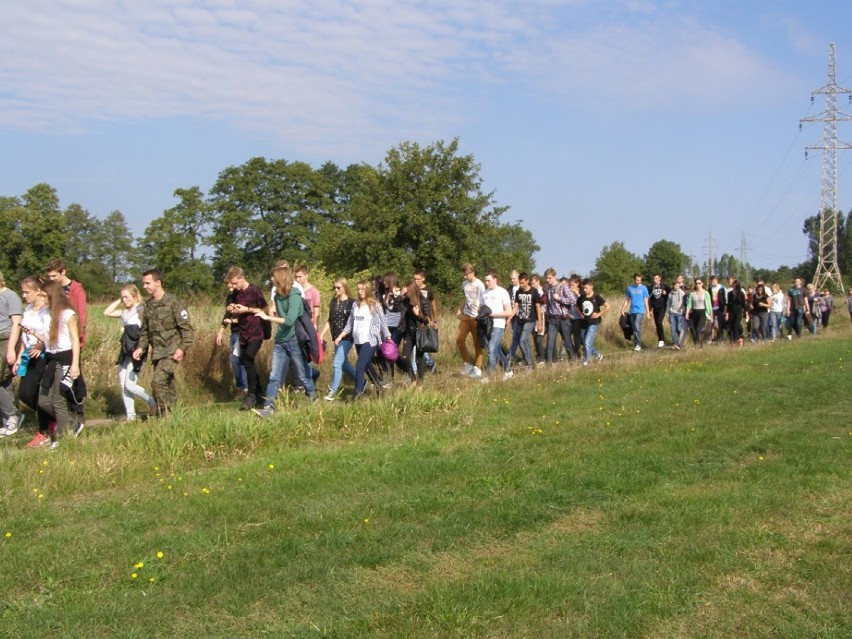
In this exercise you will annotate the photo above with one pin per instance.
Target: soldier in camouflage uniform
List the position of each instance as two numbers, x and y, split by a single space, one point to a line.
167 330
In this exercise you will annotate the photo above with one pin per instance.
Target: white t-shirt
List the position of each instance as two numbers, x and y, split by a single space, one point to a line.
131 316
496 299
777 302
362 316
472 294
63 338
38 321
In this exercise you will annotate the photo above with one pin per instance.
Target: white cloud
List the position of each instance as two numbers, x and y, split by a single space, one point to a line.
315 73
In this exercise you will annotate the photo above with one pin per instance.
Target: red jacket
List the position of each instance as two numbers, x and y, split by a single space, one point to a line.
77 295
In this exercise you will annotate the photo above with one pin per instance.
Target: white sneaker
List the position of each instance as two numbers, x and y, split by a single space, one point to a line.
508 375
475 372
11 425
660 344
637 348
467 370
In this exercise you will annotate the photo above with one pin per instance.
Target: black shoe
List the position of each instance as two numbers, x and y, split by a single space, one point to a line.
248 403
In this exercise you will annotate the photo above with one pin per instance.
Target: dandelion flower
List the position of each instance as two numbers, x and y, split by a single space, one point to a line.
139 565
152 580
8 534
133 575
271 466
160 555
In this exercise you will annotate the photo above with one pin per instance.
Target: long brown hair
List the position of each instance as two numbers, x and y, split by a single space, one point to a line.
282 278
58 303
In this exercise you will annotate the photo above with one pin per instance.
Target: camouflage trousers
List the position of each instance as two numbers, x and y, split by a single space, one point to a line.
163 385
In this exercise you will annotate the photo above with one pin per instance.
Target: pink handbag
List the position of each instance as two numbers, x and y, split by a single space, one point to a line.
389 350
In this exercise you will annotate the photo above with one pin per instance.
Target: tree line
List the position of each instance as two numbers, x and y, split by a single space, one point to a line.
422 207
615 266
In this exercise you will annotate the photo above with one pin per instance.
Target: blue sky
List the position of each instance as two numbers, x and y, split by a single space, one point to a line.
593 120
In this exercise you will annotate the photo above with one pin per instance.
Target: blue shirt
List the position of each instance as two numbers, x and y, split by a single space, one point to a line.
637 294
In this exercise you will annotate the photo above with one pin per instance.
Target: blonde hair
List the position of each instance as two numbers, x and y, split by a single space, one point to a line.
134 292
342 281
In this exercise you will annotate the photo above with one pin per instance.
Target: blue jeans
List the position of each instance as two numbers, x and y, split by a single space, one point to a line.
495 351
521 338
282 354
239 370
636 320
589 334
558 327
341 364
774 323
363 366
678 328
794 322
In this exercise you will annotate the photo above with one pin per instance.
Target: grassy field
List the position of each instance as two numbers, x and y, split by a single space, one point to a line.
662 494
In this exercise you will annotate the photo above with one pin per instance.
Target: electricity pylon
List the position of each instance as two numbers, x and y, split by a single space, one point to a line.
828 269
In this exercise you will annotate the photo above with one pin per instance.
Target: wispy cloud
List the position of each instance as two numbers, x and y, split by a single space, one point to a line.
314 73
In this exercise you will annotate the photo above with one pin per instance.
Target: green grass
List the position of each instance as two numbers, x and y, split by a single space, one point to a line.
701 494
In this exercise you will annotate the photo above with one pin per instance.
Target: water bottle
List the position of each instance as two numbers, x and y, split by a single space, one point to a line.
25 362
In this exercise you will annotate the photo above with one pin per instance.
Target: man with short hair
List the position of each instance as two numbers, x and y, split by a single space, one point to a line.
56 271
11 311
797 307
248 301
592 306
472 290
659 297
497 299
166 329
559 299
310 293
526 318
636 304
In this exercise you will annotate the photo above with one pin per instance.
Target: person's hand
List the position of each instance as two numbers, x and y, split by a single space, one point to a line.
137 354
74 371
178 355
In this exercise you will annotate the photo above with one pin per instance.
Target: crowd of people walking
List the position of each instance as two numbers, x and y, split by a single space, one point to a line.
390 324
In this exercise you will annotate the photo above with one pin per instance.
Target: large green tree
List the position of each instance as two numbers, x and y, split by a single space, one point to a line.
33 231
267 210
424 207
667 258
615 267
173 241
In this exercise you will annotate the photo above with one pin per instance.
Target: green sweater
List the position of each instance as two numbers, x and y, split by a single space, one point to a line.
289 308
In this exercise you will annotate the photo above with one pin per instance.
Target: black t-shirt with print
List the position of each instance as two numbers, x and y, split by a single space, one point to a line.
527 302
590 305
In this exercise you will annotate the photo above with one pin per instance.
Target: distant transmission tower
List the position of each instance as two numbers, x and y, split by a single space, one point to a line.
746 274
711 254
828 270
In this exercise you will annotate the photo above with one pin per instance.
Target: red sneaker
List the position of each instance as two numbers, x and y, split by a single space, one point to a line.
40 439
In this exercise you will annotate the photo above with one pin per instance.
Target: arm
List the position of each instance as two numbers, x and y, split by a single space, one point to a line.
112 309
14 336
74 332
142 345
187 334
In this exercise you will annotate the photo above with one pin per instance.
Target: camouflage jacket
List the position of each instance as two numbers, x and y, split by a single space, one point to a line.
165 327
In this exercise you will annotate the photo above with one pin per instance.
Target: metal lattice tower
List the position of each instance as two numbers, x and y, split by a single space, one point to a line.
828 270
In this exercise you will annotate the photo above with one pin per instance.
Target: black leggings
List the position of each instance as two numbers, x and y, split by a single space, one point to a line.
28 391
697 320
735 323
248 353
